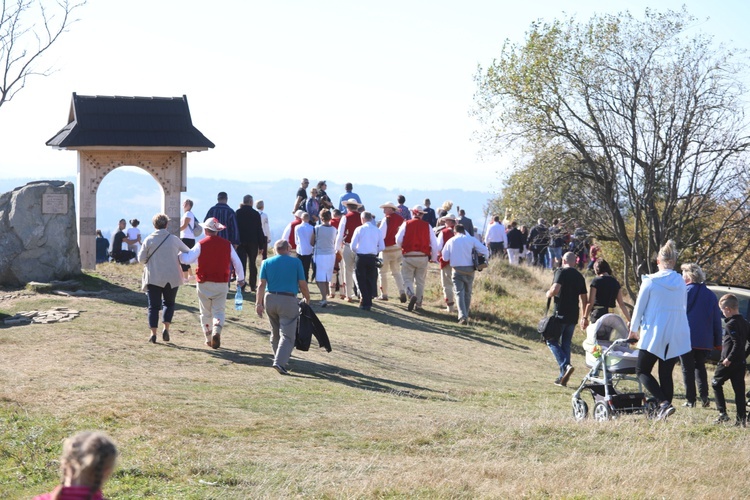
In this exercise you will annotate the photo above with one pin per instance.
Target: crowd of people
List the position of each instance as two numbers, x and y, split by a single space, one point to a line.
348 251
675 317
541 245
358 254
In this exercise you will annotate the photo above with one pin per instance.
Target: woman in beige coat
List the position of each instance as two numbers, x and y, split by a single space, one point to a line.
162 274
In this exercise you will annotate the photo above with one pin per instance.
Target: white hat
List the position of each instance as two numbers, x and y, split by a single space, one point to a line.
352 201
389 204
213 224
299 213
449 217
417 209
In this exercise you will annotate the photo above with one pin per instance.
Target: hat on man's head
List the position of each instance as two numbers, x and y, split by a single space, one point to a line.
299 213
213 224
352 201
449 217
417 209
389 204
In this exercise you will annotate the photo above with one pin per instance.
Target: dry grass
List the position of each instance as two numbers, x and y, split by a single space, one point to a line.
406 406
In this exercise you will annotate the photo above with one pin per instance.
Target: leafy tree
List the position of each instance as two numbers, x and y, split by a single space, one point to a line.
649 116
28 29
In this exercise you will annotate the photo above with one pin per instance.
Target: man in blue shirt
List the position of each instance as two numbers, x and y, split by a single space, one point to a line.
347 196
281 278
224 214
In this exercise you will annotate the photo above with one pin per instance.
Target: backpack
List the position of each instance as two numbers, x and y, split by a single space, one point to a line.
197 229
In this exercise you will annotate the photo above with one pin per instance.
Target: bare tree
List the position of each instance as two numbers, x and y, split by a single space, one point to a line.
652 121
28 28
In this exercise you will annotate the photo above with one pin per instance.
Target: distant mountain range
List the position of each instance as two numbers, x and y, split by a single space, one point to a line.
130 194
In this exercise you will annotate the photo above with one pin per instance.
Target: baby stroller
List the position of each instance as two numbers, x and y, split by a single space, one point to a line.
611 360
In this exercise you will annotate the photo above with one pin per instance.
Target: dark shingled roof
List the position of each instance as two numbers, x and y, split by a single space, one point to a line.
130 122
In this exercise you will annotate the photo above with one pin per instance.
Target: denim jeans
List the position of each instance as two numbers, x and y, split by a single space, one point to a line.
561 349
552 254
160 300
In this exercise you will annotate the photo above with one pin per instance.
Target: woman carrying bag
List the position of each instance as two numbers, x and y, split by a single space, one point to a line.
162 274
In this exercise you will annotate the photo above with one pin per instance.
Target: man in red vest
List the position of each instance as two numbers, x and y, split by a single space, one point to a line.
349 222
214 254
445 266
392 254
419 248
290 229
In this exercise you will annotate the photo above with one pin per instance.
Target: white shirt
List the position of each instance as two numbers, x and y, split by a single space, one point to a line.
264 224
188 231
367 239
302 236
496 234
458 250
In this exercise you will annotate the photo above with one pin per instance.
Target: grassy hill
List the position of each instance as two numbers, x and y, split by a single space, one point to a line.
406 406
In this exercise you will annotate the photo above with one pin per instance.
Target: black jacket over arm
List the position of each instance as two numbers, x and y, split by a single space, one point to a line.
307 326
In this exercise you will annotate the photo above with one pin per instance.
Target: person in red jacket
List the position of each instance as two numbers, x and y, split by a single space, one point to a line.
391 256
446 269
214 254
418 247
349 222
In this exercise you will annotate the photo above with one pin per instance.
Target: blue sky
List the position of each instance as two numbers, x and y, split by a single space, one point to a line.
374 92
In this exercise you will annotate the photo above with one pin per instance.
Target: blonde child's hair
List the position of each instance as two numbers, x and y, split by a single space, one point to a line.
87 459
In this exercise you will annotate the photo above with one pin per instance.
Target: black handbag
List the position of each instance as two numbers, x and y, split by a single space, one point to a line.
478 261
550 327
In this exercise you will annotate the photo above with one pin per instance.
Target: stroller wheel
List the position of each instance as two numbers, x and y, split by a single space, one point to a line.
602 412
580 410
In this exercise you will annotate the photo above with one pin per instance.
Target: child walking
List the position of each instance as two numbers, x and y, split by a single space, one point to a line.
731 365
134 234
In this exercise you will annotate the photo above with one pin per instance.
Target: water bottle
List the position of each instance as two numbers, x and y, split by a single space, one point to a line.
238 299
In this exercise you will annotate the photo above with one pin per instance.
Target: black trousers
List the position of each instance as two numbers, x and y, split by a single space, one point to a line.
248 254
123 256
735 373
694 368
496 249
663 390
540 254
190 242
306 261
367 277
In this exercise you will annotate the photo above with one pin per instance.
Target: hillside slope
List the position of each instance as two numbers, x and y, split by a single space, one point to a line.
406 405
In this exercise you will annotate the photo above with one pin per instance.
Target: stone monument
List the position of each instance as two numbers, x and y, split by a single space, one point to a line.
38 234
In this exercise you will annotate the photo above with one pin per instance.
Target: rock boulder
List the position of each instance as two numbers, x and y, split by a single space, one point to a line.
38 235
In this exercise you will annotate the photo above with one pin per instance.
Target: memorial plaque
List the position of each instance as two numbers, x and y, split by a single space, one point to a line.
54 203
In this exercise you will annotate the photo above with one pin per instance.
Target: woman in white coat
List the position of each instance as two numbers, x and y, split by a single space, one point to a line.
660 322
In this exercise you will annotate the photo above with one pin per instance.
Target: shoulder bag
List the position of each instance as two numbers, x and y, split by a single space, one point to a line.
197 229
550 327
145 276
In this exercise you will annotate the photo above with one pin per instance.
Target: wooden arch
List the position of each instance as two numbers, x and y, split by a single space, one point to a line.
152 133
